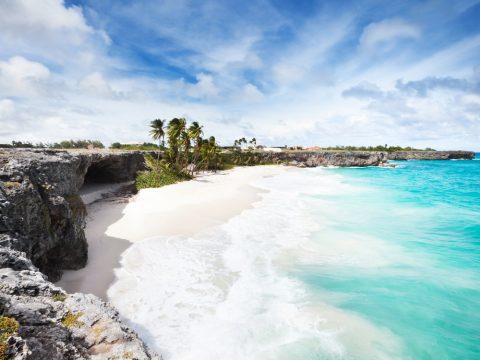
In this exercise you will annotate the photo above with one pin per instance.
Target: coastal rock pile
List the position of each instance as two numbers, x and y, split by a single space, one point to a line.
41 233
46 323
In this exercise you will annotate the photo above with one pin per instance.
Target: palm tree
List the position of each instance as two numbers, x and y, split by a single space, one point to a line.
212 151
185 142
195 132
176 127
158 133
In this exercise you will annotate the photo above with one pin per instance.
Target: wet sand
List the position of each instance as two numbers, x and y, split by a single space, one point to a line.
180 209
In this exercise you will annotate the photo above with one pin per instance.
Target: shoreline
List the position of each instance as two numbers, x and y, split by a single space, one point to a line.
185 208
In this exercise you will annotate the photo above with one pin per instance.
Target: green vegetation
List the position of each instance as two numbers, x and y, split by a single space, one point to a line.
70 320
66 144
158 133
59 297
78 144
237 156
145 146
152 179
24 145
12 184
186 153
159 175
375 148
8 327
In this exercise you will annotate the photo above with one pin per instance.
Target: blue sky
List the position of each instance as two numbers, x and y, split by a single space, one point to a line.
286 72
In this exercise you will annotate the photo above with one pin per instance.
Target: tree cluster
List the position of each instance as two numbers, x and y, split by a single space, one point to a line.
187 149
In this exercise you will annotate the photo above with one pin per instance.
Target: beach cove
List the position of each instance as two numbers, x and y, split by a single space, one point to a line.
301 263
182 209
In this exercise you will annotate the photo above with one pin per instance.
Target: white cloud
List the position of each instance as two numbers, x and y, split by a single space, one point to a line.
251 93
22 77
46 15
364 90
239 54
287 73
205 87
387 30
95 84
50 32
44 43
7 108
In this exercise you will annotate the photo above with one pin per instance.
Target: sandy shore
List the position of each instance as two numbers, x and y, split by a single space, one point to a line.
180 209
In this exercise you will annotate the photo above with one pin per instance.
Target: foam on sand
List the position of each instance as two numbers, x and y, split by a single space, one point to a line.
226 292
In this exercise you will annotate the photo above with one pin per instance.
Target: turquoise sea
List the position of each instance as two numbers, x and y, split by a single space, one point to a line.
332 263
428 292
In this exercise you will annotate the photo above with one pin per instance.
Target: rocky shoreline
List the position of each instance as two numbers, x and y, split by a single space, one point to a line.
42 219
41 233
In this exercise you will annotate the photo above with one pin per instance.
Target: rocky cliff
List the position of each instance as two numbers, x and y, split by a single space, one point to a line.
326 158
41 212
431 155
41 233
358 158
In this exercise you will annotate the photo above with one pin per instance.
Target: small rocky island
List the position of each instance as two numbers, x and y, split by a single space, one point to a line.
42 220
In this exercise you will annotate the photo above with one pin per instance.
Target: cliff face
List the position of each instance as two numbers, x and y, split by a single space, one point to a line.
358 158
431 155
327 158
41 226
41 212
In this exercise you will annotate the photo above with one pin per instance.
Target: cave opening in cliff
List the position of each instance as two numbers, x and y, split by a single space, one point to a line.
99 174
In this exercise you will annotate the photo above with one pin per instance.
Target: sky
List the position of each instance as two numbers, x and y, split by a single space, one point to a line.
288 72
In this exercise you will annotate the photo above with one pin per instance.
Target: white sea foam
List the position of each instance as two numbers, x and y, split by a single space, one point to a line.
227 294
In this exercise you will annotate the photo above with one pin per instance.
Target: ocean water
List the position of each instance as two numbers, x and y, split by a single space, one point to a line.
346 263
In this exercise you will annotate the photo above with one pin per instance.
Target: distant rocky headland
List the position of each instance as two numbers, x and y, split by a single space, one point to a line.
359 158
42 220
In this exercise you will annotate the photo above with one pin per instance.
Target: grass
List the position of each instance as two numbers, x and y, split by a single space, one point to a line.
70 320
59 297
159 178
159 175
8 327
12 184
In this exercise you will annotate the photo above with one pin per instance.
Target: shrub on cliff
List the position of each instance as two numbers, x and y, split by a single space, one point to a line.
8 327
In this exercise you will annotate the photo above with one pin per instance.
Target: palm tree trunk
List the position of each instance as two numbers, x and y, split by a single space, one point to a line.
158 155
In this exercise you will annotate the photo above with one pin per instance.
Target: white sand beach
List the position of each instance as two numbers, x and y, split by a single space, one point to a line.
180 209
